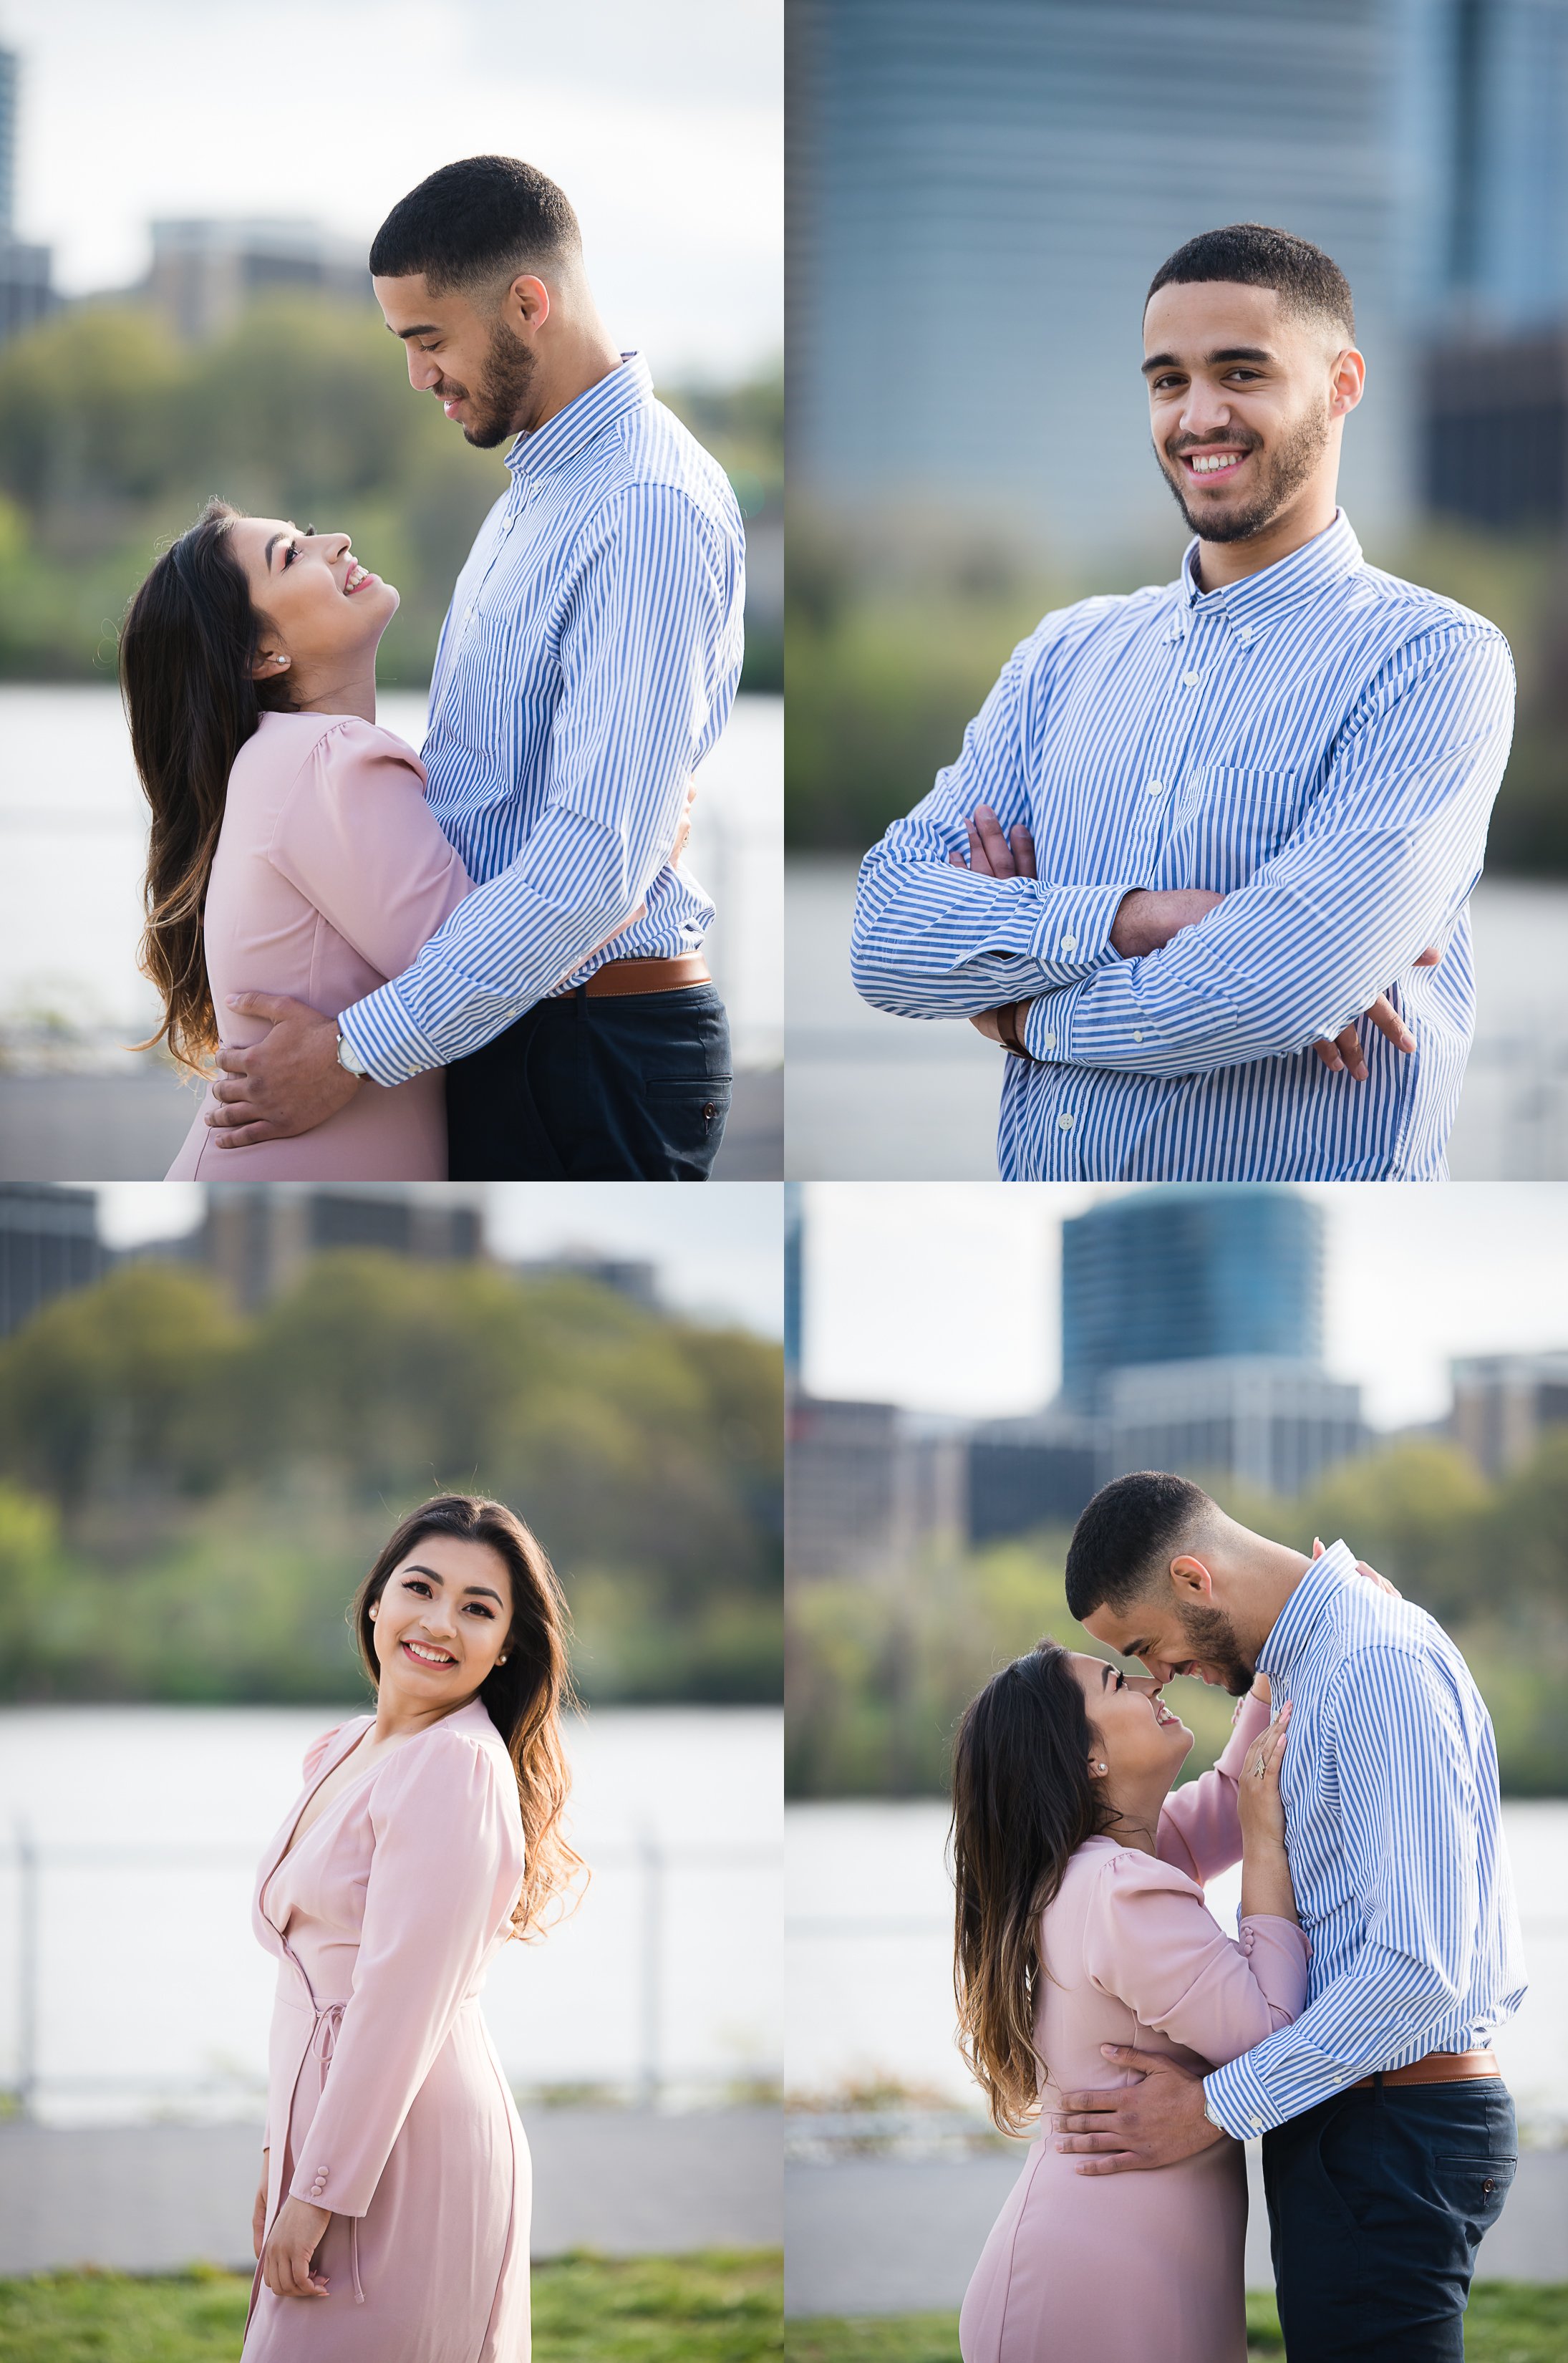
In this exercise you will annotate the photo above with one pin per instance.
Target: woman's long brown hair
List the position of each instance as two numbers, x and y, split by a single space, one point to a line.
1022 1803
525 1698
187 646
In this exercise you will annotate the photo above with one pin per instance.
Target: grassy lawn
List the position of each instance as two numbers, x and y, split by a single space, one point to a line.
1509 2322
713 2308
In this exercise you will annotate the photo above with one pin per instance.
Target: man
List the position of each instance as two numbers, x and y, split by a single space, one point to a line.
1256 799
588 662
1388 2136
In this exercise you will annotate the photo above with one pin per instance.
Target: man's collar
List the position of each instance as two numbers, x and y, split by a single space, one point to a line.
549 447
1251 606
1307 1609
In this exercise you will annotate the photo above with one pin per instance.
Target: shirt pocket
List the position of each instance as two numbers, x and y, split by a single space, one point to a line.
1232 818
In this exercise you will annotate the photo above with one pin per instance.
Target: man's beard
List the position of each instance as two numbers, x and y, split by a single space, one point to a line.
1213 1638
497 399
1282 477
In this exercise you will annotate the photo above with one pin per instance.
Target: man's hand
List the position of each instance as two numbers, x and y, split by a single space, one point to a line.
296 2236
1151 2122
681 836
288 1083
992 855
1345 1049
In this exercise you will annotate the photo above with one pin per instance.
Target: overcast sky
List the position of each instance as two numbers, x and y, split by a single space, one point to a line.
663 123
946 1295
719 1250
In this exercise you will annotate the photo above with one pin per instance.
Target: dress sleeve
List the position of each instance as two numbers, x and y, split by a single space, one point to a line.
444 1872
1200 1830
1150 1940
315 1754
358 839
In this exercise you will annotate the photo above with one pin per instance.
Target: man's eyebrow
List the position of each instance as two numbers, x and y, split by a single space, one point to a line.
425 328
1212 361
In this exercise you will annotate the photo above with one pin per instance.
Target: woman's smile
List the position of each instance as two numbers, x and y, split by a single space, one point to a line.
425 1653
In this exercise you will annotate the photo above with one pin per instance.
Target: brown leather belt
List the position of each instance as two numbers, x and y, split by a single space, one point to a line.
1437 2067
648 975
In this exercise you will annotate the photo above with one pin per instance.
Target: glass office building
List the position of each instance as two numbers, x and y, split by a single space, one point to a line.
1186 1275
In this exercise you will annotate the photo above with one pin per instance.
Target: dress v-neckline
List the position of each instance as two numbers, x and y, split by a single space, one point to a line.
297 1837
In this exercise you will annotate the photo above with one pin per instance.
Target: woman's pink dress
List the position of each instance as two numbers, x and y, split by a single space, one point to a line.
1123 2268
331 874
386 2102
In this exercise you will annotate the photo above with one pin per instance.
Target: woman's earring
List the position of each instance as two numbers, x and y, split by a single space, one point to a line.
501 1659
1100 1768
280 659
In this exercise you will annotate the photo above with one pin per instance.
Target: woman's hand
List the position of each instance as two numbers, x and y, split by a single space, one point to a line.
258 2212
1361 1569
1257 1792
296 2236
1266 1889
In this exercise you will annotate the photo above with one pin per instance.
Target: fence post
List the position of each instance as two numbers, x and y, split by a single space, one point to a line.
651 1994
27 1969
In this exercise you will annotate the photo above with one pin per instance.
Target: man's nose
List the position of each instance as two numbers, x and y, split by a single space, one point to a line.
1204 413
423 372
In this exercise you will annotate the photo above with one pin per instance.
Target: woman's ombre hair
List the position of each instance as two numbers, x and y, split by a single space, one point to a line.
525 1698
188 642
1022 1804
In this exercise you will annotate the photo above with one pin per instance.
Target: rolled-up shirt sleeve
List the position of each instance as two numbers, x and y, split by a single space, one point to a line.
1408 1816
934 941
646 679
1380 868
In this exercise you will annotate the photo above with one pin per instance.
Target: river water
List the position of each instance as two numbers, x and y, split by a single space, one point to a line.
72 834
868 1959
147 1995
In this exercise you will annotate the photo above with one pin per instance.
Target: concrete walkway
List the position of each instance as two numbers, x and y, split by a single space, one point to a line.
880 2235
154 2197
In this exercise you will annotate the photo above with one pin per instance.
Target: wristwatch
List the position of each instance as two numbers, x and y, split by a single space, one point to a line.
349 1057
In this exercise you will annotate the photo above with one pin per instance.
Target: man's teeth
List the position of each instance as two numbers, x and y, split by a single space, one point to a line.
1213 467
431 1657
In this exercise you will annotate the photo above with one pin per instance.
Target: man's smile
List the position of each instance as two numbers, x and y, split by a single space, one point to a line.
1209 466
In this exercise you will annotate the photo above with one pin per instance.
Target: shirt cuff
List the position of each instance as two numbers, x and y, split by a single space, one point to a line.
1234 2098
1074 930
385 1039
1048 1025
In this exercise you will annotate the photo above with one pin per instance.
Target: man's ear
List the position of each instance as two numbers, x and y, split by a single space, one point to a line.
1192 1579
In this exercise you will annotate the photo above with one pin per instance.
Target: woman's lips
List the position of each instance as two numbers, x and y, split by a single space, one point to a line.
434 1661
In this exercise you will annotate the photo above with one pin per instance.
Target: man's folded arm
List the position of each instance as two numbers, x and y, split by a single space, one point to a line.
1378 870
931 941
1407 1806
647 680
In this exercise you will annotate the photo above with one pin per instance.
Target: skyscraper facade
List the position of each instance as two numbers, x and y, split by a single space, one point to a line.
1186 1275
981 191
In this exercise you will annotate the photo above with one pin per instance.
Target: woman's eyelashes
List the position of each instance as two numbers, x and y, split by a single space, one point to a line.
477 1607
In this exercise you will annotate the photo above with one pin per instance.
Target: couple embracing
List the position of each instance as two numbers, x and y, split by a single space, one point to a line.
484 962
1348 2022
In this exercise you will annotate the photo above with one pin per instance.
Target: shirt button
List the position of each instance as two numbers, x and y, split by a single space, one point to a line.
1049 1043
1245 636
1069 943
1191 679
1064 1121
1256 2123
1137 1033
1155 787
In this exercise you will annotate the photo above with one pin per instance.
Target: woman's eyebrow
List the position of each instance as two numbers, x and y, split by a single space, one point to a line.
272 546
1105 1673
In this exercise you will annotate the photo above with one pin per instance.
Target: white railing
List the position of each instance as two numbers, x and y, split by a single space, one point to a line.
651 1858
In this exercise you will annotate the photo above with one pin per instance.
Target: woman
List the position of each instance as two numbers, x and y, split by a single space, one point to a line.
1081 1920
392 2219
292 848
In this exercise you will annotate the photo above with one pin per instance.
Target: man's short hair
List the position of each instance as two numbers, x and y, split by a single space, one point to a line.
1307 282
471 222
1127 1537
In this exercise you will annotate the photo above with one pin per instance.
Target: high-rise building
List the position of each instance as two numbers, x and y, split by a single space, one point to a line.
49 1243
1504 1403
1269 1424
204 273
1186 1274
27 293
980 191
258 1237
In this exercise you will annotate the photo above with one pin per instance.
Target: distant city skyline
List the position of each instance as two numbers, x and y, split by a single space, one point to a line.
719 1252
944 1296
666 129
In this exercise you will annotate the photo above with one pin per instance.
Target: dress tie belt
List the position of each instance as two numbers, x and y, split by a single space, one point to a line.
324 2042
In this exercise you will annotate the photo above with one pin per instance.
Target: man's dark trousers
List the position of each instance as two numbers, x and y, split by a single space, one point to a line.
630 1087
1377 2201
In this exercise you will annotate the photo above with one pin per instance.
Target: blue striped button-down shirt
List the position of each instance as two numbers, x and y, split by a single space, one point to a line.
1396 1853
1321 744
588 662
